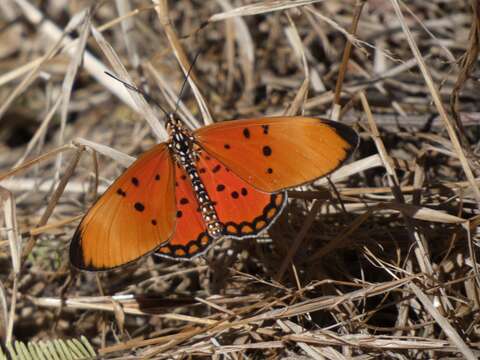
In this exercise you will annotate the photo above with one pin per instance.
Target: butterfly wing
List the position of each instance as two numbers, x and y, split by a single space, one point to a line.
243 210
191 237
132 218
277 153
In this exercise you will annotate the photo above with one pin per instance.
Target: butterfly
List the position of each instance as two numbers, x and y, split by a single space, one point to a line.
228 179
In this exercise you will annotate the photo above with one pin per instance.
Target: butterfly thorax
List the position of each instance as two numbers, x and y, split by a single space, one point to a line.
186 153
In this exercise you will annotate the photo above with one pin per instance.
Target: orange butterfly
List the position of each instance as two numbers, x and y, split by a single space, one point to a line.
223 180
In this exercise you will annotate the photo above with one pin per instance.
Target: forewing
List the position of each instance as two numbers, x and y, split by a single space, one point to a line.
278 153
132 218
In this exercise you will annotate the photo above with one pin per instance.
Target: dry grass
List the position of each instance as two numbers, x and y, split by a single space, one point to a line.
382 265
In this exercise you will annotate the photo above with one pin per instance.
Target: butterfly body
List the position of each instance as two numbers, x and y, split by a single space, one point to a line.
186 154
224 180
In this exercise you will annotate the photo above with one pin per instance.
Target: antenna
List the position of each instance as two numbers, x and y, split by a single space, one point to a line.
134 88
185 81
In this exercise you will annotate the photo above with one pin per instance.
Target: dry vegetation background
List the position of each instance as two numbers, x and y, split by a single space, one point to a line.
382 265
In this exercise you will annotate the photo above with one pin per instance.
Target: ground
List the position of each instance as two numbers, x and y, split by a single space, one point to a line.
377 260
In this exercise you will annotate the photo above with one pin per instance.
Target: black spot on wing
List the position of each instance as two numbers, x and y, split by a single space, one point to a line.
267 150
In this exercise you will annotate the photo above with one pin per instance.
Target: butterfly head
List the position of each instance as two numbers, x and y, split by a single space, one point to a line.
172 122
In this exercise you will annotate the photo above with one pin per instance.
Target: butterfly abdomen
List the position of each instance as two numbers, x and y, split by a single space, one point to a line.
214 226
